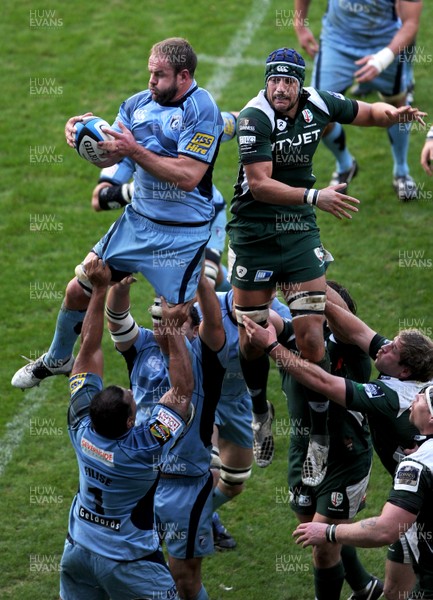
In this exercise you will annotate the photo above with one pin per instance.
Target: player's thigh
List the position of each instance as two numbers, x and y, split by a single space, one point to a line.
333 69
79 575
233 455
233 417
150 578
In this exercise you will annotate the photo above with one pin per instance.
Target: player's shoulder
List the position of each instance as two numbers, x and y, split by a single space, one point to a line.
256 111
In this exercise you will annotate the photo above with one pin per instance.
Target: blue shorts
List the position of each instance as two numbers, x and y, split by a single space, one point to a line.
334 68
183 511
169 257
84 574
218 232
233 418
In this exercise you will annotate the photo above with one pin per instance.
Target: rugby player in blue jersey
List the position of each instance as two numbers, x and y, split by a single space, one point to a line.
172 132
112 548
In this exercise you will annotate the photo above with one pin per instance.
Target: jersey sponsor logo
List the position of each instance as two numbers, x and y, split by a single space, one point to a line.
308 137
407 476
373 390
200 143
247 139
263 275
98 453
247 124
336 95
169 419
76 382
308 115
90 517
281 124
336 498
241 271
161 432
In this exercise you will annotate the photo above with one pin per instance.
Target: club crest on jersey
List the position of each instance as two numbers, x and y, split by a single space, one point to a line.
175 122
263 275
308 115
336 498
281 125
241 271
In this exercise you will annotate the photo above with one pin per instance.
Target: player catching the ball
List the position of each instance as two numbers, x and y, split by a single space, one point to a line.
172 132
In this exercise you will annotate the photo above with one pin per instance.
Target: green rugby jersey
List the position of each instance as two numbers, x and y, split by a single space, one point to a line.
265 135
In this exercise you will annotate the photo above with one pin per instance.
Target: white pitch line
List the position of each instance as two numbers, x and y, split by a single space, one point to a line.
15 429
237 46
226 64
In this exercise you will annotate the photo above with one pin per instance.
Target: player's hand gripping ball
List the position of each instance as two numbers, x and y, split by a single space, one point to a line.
89 133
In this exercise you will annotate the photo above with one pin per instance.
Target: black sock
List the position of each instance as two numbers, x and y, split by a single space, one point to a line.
356 576
255 373
328 583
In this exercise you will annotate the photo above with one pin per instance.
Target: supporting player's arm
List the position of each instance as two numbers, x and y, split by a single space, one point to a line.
211 328
347 327
308 374
368 533
90 357
180 370
427 153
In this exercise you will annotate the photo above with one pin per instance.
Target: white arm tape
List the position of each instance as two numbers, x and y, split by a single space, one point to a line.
430 133
128 328
382 59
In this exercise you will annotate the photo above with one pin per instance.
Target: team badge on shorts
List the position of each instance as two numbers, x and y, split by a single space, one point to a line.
308 115
241 271
336 498
320 255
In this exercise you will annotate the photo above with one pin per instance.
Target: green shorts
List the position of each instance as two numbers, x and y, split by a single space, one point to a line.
262 255
342 493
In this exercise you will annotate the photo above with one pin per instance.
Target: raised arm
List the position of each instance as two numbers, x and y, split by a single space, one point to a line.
211 328
308 374
347 327
90 357
181 375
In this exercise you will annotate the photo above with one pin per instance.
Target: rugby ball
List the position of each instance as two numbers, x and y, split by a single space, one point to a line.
229 126
88 134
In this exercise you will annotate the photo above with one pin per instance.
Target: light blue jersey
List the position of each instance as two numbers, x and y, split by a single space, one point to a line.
148 374
112 512
191 127
360 23
191 455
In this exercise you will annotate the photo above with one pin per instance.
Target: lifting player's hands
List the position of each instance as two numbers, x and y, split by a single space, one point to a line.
259 336
123 144
70 129
98 272
175 315
331 199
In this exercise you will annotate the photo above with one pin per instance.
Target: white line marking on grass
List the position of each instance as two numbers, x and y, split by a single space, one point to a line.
237 46
15 429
